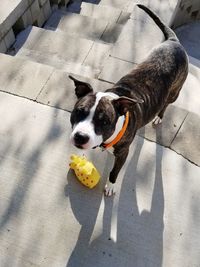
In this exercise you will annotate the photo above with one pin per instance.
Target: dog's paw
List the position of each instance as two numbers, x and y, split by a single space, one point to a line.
157 120
109 189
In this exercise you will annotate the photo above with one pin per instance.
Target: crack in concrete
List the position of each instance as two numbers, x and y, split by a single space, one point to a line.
92 45
45 84
178 153
178 131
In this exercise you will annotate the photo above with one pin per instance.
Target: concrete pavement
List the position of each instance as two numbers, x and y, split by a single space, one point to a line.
47 218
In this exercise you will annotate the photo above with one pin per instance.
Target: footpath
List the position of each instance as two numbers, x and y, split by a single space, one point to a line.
47 218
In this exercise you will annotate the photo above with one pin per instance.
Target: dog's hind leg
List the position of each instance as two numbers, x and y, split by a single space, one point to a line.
158 119
171 98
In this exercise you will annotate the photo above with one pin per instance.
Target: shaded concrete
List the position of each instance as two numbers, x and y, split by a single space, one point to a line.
189 36
111 33
164 9
57 62
186 12
188 139
16 15
97 55
49 219
100 11
39 154
21 77
9 13
114 69
3 47
59 90
191 89
33 43
136 41
62 45
165 133
76 24
121 4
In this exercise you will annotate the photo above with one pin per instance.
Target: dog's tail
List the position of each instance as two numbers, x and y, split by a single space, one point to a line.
167 31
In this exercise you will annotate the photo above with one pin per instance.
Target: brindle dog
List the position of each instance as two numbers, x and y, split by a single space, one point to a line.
145 92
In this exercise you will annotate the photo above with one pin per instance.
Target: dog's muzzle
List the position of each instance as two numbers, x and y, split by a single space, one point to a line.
80 139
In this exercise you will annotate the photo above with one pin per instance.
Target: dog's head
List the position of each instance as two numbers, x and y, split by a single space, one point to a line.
96 115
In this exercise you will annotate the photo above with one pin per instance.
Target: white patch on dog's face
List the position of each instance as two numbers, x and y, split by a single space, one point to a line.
86 126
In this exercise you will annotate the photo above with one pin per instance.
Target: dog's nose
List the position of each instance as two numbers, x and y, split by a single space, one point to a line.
81 138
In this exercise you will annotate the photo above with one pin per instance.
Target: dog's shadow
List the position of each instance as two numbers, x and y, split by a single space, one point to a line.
139 234
142 228
85 204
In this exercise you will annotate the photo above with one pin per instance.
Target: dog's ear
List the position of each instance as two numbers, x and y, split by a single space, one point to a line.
81 88
124 104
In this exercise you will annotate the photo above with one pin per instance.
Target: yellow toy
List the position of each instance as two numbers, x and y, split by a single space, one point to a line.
84 170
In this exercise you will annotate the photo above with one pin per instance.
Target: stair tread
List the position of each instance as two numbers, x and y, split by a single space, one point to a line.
61 44
164 9
57 62
18 75
84 27
107 13
76 24
121 4
60 98
50 86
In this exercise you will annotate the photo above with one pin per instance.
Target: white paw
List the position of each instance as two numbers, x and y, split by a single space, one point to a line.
157 120
109 189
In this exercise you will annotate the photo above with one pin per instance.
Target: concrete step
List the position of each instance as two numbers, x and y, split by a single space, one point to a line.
10 12
112 33
16 15
57 62
84 26
75 5
107 13
121 4
54 43
194 61
21 77
191 89
50 87
59 90
164 9
148 221
76 24
133 44
61 50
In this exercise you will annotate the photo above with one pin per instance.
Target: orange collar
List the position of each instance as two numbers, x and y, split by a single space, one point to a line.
120 134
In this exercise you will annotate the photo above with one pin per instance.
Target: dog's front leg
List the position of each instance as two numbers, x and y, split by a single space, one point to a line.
120 158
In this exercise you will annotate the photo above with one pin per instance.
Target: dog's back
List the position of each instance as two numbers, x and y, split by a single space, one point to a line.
160 77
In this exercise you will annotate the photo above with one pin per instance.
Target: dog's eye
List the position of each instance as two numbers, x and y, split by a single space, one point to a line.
103 119
81 113
100 117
